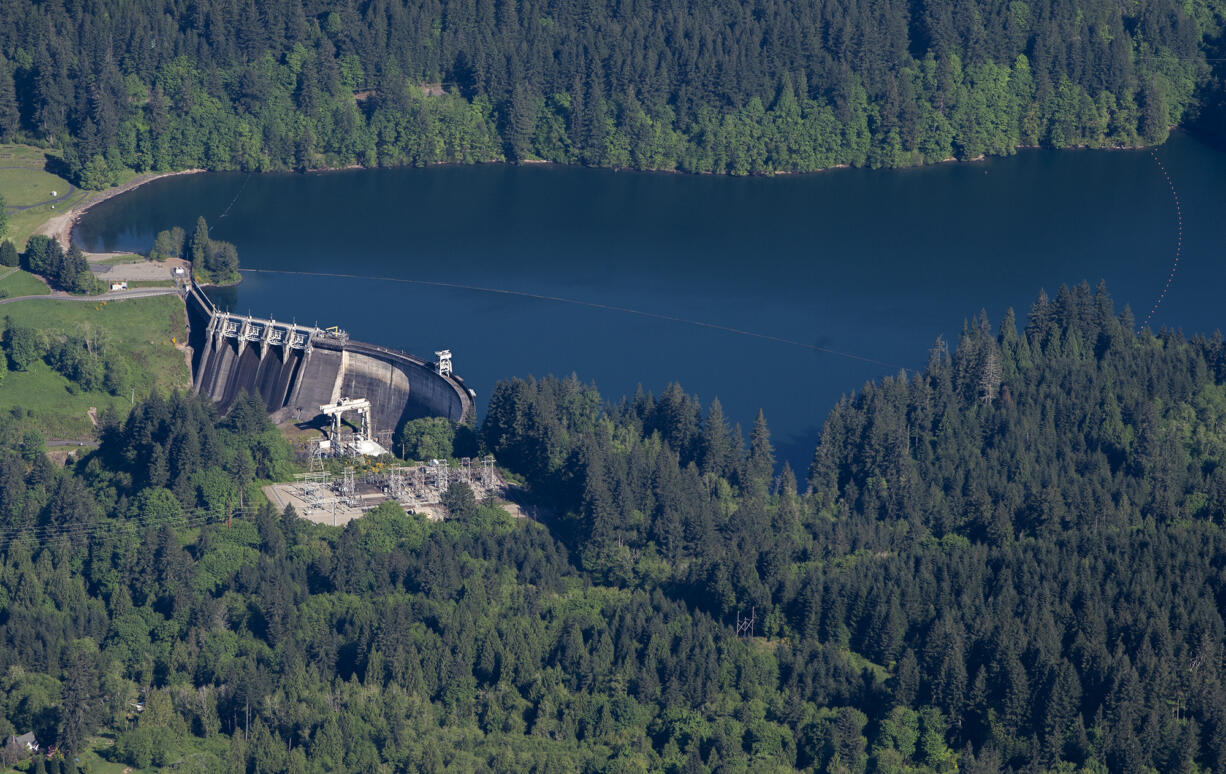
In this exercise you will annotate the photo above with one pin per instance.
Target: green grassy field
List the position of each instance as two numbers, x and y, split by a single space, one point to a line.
145 330
16 155
29 186
22 225
90 761
15 282
192 755
133 284
24 180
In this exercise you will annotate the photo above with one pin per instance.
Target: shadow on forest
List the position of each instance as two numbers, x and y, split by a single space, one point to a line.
1209 123
56 166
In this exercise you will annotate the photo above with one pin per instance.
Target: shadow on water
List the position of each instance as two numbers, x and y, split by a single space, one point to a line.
223 298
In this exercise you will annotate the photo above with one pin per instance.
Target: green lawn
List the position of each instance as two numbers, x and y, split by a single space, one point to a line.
15 282
93 762
168 283
145 329
16 155
26 181
29 186
22 225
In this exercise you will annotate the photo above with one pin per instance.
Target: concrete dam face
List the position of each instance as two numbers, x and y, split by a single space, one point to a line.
296 369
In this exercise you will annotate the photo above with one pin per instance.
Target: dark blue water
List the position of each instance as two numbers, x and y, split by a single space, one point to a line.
874 264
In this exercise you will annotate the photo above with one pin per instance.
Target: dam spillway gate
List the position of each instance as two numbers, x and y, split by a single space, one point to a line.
295 369
263 333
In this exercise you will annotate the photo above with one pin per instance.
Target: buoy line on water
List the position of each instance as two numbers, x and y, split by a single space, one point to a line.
241 188
590 305
1178 240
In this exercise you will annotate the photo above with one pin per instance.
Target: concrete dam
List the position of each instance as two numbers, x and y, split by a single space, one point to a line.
295 369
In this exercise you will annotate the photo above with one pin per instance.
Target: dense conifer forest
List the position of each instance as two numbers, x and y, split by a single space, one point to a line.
1012 560
726 87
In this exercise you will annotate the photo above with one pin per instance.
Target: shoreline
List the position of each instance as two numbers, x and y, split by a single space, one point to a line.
60 227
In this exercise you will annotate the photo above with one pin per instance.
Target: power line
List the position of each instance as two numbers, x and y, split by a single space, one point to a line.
589 304
45 532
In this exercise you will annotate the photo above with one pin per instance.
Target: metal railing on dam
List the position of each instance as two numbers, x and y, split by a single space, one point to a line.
296 368
247 329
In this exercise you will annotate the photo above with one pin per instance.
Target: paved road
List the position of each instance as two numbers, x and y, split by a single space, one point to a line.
115 295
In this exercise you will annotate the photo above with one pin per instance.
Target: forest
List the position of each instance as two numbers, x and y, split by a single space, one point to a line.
714 87
1012 560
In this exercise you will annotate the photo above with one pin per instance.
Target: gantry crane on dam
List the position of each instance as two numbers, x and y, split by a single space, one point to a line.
363 442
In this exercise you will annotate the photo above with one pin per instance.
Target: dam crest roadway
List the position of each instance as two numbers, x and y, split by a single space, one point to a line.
266 333
296 369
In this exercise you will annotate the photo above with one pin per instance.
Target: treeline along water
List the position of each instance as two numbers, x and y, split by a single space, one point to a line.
875 264
738 88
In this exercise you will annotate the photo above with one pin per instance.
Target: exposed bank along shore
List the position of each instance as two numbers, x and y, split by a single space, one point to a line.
60 227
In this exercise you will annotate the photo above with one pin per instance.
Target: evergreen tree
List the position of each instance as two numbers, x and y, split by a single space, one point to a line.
761 466
80 705
521 122
460 501
716 441
200 248
74 274
677 85
10 117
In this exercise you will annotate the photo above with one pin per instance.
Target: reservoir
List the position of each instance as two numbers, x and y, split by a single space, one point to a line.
781 294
